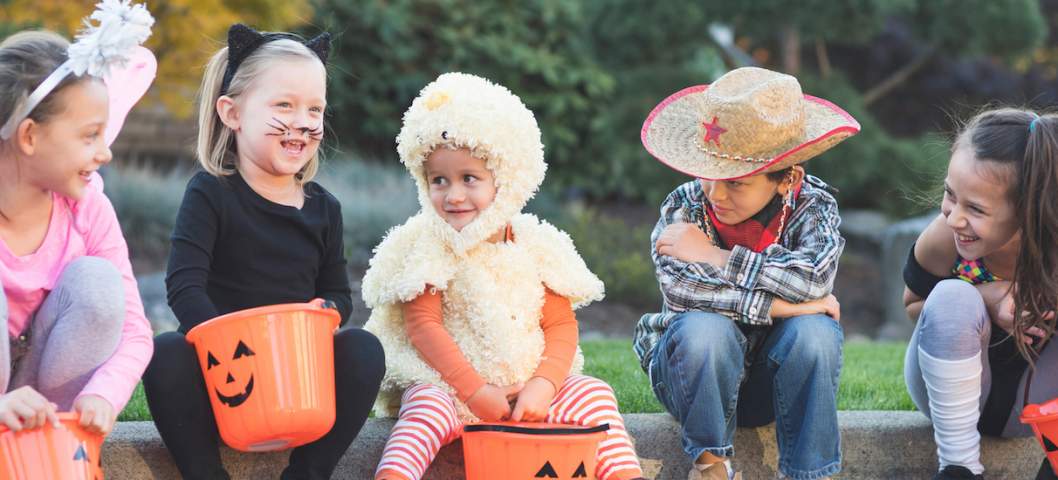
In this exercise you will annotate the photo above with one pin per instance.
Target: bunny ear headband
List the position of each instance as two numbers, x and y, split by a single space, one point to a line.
110 50
243 40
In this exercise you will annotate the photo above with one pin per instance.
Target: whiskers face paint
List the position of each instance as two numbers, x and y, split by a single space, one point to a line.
284 130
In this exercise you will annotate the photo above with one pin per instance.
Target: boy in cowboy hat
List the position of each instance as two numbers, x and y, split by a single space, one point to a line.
745 255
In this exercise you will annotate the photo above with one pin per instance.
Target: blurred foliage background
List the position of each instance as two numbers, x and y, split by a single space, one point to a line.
186 33
591 70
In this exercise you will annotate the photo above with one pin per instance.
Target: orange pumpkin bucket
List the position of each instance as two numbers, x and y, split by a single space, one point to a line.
269 372
521 450
69 453
1043 418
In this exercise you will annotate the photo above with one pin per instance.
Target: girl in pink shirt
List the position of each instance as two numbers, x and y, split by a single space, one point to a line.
78 338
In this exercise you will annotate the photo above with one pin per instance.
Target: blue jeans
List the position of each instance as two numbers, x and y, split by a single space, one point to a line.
700 368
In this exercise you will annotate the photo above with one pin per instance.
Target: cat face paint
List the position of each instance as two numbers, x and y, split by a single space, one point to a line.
280 117
284 130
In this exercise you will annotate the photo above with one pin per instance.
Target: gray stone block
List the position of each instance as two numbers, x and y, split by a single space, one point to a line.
863 229
155 304
896 241
875 445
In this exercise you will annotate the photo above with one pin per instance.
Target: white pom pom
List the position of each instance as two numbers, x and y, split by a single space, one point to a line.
121 26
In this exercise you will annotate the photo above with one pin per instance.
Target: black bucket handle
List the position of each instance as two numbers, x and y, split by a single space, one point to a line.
487 427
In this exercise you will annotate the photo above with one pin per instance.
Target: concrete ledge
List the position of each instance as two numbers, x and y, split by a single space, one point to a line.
875 445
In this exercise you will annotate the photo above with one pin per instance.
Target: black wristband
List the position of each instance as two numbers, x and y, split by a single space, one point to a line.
917 279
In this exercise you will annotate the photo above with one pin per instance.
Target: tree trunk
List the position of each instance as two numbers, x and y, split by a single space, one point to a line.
790 45
822 58
900 76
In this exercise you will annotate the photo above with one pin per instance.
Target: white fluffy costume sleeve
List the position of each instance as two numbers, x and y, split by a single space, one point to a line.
492 293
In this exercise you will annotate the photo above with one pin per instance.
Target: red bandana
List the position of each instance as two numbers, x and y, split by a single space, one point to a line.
752 232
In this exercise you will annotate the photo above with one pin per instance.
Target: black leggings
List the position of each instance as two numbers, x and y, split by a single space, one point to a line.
1046 473
176 394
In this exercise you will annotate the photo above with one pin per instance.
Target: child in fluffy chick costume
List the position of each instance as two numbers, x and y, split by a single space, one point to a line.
472 299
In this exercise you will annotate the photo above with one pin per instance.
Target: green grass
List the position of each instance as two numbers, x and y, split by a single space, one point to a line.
872 378
616 363
136 408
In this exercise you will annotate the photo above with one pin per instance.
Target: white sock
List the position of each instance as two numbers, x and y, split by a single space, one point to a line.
954 388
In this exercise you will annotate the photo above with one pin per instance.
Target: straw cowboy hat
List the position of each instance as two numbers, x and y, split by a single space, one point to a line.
749 121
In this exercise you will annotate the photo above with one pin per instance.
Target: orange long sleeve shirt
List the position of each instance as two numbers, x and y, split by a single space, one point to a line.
423 319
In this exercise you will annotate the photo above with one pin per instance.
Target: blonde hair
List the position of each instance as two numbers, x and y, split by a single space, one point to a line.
26 60
216 149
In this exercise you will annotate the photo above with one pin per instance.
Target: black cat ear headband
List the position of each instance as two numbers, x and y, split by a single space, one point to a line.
243 40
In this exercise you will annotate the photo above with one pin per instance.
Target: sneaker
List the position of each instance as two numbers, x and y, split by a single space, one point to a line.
957 472
716 471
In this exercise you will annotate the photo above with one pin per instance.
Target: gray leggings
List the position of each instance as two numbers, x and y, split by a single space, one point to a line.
954 325
74 331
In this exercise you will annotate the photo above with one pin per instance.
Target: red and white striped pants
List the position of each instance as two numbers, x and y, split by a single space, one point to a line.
428 421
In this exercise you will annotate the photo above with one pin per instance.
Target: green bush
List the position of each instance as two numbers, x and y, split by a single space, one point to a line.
589 71
873 169
618 253
592 71
387 51
374 199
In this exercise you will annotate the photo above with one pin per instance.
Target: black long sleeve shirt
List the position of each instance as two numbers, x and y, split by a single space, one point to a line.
232 249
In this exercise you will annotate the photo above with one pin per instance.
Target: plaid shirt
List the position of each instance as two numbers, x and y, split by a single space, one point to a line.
798 268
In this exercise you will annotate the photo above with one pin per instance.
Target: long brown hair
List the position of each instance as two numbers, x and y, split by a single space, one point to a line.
1027 142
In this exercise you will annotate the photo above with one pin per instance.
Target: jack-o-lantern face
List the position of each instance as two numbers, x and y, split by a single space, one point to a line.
548 471
81 455
1048 445
224 379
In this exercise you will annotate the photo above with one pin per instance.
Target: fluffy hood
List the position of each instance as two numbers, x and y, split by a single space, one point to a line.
465 111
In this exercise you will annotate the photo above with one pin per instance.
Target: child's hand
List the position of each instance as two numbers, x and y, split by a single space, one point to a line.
534 401
827 305
24 407
491 403
999 300
97 414
1003 315
689 243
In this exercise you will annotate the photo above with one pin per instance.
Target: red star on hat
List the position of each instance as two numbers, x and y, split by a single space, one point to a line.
713 131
